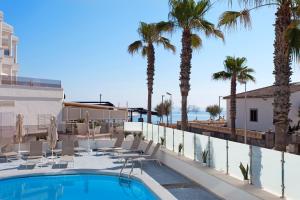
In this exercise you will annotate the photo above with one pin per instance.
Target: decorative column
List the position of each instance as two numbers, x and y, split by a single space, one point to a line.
16 53
10 45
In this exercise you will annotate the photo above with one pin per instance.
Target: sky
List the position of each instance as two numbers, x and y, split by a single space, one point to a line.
84 44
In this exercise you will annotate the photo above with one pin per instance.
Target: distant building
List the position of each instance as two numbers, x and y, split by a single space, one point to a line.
259 108
8 49
36 99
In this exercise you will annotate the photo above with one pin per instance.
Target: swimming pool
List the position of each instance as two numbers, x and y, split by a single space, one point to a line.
73 187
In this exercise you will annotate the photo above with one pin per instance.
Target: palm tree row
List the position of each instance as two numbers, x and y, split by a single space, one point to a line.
189 16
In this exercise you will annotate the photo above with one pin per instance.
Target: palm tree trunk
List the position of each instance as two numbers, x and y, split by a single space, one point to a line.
185 71
282 72
233 106
150 78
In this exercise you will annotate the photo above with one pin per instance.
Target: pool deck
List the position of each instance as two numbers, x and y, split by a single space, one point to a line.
163 181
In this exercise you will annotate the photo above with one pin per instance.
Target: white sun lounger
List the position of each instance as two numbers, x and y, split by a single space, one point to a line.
142 158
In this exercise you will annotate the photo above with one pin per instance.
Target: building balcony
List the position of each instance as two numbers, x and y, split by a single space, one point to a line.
8 60
29 82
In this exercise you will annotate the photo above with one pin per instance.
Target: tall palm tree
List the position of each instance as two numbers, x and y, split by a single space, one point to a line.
150 35
286 46
189 16
235 70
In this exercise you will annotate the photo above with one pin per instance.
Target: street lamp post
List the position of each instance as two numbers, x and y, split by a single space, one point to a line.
220 106
245 113
168 93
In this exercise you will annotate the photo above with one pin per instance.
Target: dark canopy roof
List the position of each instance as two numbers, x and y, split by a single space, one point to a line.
141 111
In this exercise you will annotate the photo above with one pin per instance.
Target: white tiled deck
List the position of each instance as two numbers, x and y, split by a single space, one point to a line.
158 178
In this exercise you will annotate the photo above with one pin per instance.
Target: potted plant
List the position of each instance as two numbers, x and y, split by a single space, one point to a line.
204 158
180 147
162 141
245 173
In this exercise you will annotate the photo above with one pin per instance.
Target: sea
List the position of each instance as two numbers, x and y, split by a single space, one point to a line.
176 116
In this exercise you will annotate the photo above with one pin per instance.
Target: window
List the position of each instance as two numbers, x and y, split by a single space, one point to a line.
6 52
253 115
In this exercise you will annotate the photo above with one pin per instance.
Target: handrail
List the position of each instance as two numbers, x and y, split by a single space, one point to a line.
29 82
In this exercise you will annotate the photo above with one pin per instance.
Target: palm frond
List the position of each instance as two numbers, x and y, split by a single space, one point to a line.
196 41
245 75
135 47
163 26
292 35
144 51
166 43
202 7
222 75
230 19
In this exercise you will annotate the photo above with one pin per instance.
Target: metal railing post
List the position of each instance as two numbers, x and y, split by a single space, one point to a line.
152 131
183 143
282 175
165 136
158 134
250 155
194 146
142 129
209 156
147 131
227 162
173 141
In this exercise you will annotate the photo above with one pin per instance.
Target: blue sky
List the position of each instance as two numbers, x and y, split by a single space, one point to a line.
84 44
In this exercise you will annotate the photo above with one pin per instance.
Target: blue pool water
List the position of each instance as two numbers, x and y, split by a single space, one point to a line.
73 187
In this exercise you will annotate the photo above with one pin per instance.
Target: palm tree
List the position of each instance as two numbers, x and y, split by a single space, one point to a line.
189 16
286 47
151 34
167 107
159 110
235 70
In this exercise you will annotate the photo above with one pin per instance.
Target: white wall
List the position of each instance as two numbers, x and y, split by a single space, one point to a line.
31 102
265 112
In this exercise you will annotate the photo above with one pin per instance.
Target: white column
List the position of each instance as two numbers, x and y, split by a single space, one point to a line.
10 45
16 53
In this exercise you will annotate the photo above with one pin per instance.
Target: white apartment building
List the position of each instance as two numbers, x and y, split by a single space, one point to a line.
8 49
36 99
259 108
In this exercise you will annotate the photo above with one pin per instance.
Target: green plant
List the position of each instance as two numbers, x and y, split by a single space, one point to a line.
245 171
162 140
204 156
180 147
213 110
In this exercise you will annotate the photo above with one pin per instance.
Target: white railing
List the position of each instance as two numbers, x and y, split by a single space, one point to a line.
273 171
